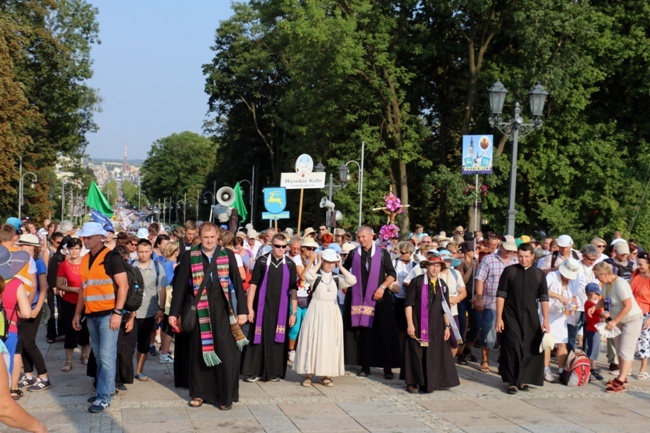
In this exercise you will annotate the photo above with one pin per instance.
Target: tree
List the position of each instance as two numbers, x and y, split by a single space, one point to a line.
178 164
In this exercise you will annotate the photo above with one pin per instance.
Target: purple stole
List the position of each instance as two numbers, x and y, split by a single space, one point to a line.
363 307
424 312
280 328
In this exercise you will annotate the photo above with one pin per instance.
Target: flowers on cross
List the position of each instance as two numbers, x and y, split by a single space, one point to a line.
393 204
388 232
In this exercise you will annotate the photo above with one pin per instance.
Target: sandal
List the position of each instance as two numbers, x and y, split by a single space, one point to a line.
524 387
643 375
485 367
141 377
16 394
512 389
84 359
307 382
67 367
326 381
615 386
221 407
196 402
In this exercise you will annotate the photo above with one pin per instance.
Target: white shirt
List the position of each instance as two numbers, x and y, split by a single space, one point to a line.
454 281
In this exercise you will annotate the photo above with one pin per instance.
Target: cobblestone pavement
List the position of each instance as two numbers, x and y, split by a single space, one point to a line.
352 405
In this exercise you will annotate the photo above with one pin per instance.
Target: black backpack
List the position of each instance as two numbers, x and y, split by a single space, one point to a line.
312 289
135 294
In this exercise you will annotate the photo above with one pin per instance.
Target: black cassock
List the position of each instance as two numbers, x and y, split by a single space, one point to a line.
520 361
217 385
269 359
432 367
377 346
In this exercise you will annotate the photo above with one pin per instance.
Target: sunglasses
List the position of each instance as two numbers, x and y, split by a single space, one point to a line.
280 247
310 248
404 252
601 246
134 244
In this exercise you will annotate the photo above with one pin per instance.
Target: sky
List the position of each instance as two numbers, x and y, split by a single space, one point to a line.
148 72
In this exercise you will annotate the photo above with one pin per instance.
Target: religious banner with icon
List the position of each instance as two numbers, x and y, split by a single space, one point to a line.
477 154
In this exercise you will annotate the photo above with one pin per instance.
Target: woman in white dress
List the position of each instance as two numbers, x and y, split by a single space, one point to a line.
320 345
562 292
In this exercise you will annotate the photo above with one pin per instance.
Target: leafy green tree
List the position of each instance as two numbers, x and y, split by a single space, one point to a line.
178 164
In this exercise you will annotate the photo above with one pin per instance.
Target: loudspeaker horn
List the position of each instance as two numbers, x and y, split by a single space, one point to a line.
226 195
325 203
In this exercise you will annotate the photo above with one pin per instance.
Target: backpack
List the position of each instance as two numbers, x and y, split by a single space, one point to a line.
135 293
577 362
557 253
312 289
5 321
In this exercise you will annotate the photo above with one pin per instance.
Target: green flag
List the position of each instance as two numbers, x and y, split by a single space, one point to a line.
239 203
97 201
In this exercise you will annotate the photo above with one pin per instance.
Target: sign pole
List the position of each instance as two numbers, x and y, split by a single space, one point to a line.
276 224
302 192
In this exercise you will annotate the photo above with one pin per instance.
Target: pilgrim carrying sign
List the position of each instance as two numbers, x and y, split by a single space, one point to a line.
477 154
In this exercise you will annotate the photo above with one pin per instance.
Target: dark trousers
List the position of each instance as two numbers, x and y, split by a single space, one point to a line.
469 320
72 337
32 356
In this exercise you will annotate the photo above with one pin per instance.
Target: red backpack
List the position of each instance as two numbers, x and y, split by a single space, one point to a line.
577 362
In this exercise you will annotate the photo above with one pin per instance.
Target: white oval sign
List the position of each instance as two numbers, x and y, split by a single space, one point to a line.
304 165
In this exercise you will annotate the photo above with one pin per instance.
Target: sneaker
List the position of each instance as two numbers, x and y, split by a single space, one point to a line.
275 379
170 354
98 406
613 369
548 376
596 375
26 381
40 385
165 359
252 379
152 350
292 355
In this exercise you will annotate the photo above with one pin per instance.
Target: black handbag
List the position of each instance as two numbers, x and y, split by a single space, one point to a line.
189 315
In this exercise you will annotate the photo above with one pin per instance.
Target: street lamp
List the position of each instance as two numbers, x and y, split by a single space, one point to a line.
344 176
205 199
512 129
21 185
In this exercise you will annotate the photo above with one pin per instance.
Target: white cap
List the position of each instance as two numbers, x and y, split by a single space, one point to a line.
564 241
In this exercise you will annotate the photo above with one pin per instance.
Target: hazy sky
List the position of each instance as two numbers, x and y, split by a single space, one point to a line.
148 71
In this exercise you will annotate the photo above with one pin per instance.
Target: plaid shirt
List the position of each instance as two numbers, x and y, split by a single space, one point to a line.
489 271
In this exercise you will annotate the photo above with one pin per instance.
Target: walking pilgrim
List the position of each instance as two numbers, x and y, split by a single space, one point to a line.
320 347
209 272
371 336
272 309
428 362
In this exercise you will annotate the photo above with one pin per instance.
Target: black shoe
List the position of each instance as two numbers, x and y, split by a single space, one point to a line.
477 344
469 355
388 375
512 389
363 373
613 369
120 387
596 375
565 376
462 359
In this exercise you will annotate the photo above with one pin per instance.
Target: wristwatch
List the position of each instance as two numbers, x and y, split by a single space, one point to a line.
382 287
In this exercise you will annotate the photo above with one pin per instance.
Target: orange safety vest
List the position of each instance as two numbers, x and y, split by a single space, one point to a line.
98 289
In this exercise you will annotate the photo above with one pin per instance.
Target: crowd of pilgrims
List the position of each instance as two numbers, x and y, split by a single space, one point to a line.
317 302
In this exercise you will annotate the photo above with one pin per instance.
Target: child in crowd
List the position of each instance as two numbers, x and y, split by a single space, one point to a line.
592 337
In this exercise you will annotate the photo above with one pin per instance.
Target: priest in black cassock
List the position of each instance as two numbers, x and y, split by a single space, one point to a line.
215 343
371 336
522 288
272 309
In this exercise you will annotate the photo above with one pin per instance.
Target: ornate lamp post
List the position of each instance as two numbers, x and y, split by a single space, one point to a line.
512 128
21 186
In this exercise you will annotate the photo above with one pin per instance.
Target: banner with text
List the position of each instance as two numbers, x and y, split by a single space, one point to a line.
477 154
302 181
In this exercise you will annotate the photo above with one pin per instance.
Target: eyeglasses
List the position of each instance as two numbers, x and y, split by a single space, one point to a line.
601 246
280 247
590 259
310 248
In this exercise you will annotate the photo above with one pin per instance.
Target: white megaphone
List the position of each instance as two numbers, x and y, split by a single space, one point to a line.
325 203
339 216
225 196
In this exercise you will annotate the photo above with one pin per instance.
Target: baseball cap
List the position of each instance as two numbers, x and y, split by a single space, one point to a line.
564 241
593 288
92 229
509 243
622 247
15 222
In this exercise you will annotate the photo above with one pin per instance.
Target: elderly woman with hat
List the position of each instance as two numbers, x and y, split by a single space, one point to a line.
562 292
320 347
428 362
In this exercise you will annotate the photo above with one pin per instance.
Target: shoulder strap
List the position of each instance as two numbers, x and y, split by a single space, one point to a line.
575 255
312 289
554 258
455 274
